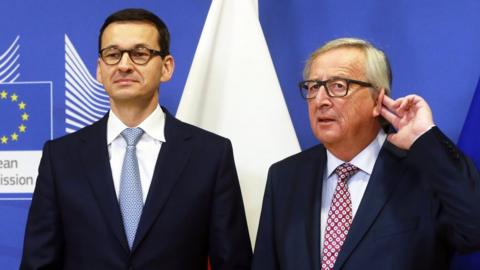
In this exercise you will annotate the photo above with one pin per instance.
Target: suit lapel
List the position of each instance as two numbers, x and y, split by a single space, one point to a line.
385 176
313 173
172 158
95 159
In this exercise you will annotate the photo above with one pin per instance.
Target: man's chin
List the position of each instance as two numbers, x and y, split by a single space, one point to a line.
124 97
124 91
326 136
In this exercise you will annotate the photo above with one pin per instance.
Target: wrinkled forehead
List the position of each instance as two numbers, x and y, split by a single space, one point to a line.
339 62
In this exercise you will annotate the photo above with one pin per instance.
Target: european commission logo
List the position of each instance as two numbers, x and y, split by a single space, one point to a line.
85 98
26 123
26 114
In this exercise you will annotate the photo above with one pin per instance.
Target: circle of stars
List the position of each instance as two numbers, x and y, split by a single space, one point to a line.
24 116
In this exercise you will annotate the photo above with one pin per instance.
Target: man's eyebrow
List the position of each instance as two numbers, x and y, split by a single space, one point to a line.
139 45
110 47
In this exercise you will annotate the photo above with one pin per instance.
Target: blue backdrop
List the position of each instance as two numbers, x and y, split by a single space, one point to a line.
432 45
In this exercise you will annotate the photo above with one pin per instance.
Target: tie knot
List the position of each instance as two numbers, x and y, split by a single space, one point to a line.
345 171
132 135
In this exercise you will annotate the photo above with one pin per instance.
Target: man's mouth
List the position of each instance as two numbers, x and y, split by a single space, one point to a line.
325 120
124 81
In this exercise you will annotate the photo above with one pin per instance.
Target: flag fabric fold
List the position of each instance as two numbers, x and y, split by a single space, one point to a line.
469 143
232 90
469 140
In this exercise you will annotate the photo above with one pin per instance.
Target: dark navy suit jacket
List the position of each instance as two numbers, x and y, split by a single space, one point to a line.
420 206
193 210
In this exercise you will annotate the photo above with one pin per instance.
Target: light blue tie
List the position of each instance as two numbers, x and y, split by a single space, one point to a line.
131 199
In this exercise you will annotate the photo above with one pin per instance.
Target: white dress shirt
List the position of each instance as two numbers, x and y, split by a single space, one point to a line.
148 147
365 160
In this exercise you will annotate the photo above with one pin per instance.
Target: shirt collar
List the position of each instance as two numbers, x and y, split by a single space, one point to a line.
153 125
365 160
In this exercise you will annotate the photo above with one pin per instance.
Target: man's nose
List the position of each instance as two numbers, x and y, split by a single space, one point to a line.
322 95
125 62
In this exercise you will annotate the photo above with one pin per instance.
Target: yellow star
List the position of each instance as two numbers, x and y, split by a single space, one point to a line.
3 94
25 116
4 139
14 136
22 128
22 105
14 97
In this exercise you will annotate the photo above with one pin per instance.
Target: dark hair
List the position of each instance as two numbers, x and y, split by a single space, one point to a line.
142 15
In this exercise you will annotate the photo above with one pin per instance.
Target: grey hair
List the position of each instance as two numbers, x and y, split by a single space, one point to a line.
378 70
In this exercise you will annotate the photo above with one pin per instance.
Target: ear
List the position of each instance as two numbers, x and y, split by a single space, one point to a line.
99 72
378 106
168 65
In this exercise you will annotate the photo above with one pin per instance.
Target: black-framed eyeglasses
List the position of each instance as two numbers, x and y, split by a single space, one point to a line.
335 87
138 55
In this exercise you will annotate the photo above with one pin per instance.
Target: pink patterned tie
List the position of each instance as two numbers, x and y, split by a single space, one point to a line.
339 217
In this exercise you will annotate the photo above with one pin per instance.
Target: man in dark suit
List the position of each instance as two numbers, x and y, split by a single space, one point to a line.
138 189
365 199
